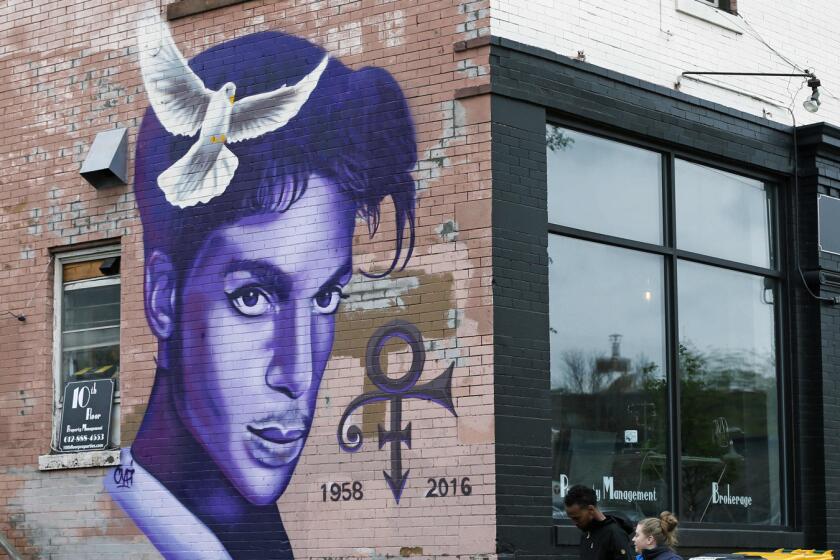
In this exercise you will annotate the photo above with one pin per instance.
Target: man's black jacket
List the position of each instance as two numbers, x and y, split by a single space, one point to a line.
607 540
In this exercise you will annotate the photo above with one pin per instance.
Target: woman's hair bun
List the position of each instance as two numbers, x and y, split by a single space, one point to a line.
662 529
669 522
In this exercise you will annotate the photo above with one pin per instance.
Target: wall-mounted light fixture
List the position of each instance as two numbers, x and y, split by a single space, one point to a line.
812 104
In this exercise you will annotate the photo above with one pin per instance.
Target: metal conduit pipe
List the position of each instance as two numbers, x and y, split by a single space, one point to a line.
10 550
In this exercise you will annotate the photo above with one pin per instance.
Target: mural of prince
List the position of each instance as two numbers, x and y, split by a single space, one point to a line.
252 165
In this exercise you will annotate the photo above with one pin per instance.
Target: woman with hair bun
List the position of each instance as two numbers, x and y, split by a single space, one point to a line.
655 538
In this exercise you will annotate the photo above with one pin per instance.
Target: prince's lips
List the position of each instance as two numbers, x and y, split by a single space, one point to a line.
275 445
277 434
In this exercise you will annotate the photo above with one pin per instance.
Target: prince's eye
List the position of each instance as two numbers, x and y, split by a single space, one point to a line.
250 301
327 300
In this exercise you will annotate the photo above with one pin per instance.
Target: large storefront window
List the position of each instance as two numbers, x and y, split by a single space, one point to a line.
664 289
608 374
728 406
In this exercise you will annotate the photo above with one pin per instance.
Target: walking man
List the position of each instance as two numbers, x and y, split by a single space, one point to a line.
604 536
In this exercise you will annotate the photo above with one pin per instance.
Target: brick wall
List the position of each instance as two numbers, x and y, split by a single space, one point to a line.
656 40
520 297
70 70
532 84
817 383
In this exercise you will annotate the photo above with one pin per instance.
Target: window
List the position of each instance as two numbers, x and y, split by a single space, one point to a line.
86 338
720 13
664 318
730 6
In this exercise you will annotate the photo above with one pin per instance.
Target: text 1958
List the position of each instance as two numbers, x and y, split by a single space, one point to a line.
344 491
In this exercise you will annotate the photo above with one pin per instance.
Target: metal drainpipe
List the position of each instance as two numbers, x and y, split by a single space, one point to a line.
10 550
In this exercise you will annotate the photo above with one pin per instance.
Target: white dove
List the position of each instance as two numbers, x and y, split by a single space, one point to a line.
185 106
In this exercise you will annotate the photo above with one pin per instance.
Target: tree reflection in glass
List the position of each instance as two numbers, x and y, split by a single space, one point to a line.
728 408
607 375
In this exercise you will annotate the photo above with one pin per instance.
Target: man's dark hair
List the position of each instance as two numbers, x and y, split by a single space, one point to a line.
354 130
581 496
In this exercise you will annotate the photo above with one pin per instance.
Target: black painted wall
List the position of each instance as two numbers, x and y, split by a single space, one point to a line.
529 85
520 319
818 375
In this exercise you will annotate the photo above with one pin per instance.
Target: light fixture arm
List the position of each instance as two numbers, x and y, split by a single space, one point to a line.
805 74
812 104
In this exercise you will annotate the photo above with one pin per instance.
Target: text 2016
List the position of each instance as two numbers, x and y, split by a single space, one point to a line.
441 487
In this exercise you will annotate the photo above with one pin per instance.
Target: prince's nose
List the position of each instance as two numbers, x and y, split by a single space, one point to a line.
290 369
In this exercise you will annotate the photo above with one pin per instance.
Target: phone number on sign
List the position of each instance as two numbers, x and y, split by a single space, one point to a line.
84 438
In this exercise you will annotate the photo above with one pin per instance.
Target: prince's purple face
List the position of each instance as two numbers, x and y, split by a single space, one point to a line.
257 323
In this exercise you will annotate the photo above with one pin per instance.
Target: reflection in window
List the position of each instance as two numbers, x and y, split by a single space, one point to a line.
723 215
616 308
607 376
729 422
597 185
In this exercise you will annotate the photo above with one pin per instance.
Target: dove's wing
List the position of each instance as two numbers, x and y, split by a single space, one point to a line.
202 174
266 112
178 96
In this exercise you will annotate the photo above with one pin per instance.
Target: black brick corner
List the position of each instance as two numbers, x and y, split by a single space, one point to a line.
520 319
530 84
818 398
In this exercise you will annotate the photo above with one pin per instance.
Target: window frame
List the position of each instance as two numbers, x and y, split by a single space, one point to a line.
728 6
62 259
705 11
780 273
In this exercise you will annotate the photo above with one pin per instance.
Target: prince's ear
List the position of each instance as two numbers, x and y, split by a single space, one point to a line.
159 294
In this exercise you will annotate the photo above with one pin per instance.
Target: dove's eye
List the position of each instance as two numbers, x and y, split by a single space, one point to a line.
326 301
251 301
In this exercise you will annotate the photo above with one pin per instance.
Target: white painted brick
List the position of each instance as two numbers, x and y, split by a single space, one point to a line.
628 37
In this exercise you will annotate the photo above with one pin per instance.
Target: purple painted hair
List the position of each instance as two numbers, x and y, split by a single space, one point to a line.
355 130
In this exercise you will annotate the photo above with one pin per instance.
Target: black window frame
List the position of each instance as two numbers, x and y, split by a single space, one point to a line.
671 256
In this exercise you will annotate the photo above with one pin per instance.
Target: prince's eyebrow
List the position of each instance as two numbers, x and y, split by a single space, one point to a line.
338 277
268 275
274 279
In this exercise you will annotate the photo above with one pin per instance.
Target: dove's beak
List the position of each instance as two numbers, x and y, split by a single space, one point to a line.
231 99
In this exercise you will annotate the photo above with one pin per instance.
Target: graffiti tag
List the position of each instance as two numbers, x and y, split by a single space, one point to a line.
124 477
